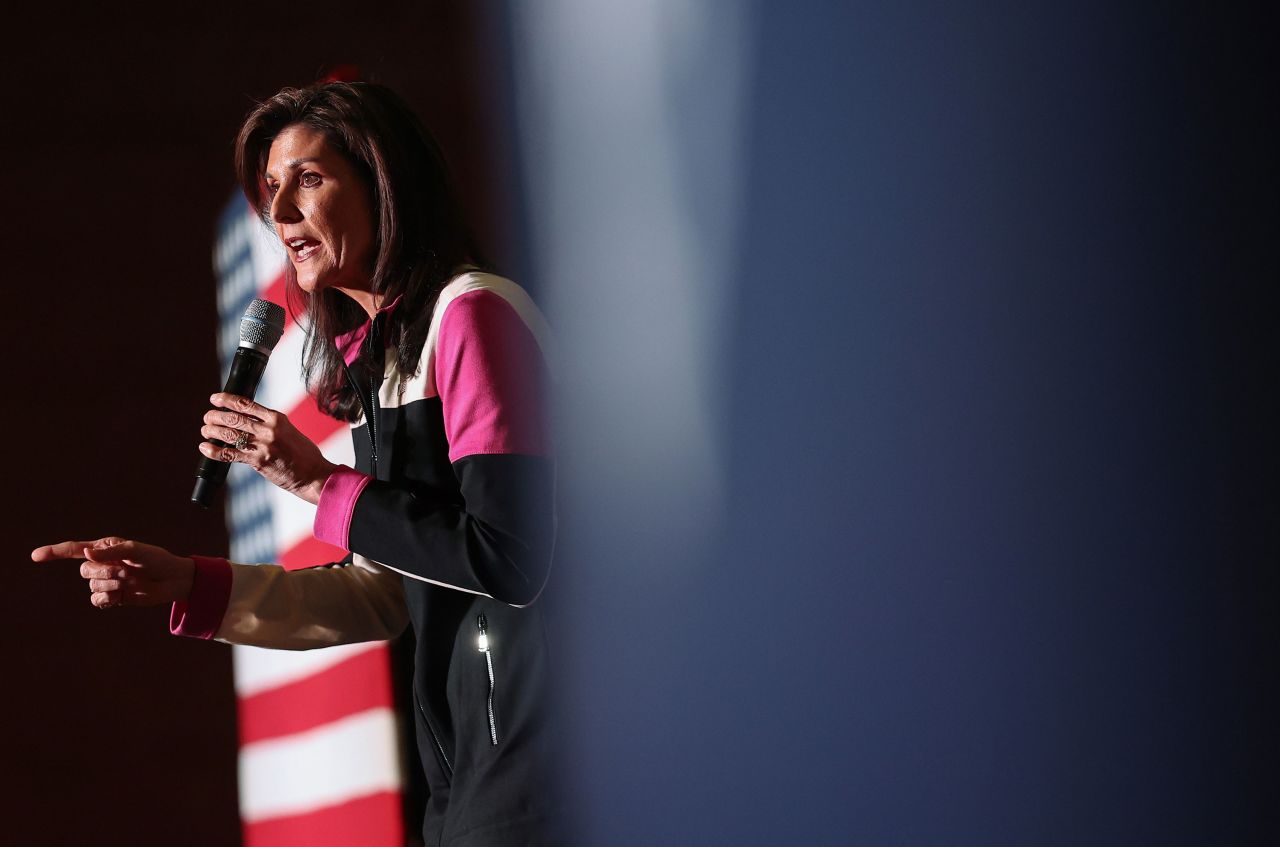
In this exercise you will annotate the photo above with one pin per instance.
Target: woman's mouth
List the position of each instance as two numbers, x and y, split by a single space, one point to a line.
302 248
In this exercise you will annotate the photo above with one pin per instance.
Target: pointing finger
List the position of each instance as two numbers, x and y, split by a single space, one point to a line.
69 549
65 550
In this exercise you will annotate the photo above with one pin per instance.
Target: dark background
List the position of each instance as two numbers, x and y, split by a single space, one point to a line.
997 559
117 160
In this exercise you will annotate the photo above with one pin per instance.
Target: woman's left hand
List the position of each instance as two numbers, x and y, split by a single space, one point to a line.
266 441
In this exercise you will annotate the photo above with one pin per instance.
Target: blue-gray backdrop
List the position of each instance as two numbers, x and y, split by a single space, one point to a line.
914 367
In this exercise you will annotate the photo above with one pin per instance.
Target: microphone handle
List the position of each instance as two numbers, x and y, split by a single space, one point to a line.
246 371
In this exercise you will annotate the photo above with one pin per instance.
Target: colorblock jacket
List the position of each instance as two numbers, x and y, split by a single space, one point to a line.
449 517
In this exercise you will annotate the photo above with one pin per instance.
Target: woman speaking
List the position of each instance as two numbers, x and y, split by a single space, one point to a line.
448 513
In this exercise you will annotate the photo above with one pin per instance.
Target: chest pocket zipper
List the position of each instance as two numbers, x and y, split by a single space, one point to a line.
482 642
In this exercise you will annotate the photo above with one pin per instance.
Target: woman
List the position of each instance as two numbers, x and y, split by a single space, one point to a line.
448 513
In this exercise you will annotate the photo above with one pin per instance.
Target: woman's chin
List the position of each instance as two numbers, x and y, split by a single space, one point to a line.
309 283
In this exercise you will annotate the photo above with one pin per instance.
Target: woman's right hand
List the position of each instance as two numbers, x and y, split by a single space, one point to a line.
125 573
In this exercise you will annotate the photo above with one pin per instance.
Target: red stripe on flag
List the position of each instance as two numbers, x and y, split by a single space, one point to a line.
310 552
312 422
372 821
318 427
356 685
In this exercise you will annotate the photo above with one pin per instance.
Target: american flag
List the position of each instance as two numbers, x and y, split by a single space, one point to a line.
319 760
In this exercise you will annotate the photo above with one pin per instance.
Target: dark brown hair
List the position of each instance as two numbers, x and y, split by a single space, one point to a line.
421 239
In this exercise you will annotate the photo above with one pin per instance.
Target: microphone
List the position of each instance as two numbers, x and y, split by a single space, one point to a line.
260 331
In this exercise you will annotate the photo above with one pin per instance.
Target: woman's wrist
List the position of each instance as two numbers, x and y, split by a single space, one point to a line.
200 613
311 491
186 580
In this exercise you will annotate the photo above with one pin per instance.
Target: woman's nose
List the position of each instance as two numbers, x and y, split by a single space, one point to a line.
283 209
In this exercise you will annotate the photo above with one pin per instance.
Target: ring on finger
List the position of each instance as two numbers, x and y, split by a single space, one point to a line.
243 442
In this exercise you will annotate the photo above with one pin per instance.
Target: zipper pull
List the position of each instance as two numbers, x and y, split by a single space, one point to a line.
482 642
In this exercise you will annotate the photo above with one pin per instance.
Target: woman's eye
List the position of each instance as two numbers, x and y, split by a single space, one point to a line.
309 180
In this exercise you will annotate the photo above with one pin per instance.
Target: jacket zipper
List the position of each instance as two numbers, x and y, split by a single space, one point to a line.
369 402
374 349
483 643
431 730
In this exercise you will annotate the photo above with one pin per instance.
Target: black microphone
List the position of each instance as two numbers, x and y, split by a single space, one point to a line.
260 331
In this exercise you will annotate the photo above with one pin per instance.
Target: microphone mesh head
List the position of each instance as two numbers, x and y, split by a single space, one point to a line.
262 325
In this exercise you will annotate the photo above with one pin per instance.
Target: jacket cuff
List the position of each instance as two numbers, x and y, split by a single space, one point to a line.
202 613
337 504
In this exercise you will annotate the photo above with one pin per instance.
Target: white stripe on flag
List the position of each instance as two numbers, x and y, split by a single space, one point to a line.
258 669
349 758
266 252
282 387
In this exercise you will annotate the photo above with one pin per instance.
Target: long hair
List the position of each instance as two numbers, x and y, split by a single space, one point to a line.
420 235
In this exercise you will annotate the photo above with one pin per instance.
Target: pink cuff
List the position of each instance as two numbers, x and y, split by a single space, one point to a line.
337 504
201 615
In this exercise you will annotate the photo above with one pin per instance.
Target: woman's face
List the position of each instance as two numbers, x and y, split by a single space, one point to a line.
322 210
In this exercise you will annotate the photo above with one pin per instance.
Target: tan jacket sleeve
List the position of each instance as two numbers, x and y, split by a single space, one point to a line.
314 607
